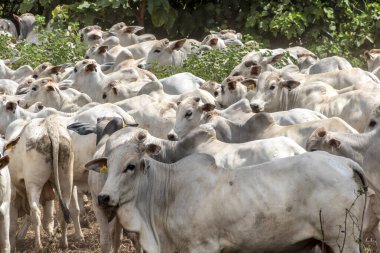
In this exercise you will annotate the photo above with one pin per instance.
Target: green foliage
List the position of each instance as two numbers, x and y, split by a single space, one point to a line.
62 45
210 65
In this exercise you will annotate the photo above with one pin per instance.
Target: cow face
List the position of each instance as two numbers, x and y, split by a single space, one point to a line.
167 53
234 88
91 35
374 120
372 57
188 116
126 168
212 87
269 91
8 113
42 90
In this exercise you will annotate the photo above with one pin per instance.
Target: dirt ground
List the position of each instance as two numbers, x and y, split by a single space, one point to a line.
91 242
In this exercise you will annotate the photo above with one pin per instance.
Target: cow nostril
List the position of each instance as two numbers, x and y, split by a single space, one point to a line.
18 102
35 76
171 137
103 200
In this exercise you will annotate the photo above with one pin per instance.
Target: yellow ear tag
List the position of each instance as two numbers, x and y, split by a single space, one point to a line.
104 169
10 147
124 125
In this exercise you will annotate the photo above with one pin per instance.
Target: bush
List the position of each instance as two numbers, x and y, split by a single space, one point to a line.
59 46
210 65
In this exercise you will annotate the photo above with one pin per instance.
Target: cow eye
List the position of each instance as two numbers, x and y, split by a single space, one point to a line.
34 88
75 70
188 114
372 123
104 95
129 167
157 50
272 87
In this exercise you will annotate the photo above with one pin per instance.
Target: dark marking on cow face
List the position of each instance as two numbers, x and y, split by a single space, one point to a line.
11 106
214 41
231 85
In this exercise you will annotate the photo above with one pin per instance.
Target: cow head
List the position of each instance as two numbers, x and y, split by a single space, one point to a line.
188 116
167 53
269 90
91 35
320 139
43 90
126 166
212 87
233 88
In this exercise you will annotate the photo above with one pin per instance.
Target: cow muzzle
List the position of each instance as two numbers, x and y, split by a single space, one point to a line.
91 67
104 200
172 136
256 108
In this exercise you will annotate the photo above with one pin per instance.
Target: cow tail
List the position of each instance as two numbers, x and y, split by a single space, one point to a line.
53 133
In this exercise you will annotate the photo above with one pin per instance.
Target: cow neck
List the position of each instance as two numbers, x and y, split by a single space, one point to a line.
354 146
225 130
8 72
169 152
154 194
191 142
288 99
254 128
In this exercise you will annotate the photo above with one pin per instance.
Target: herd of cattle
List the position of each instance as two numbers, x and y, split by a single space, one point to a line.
188 165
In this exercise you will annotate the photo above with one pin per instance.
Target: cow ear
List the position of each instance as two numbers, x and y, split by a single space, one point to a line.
165 41
56 70
290 84
213 41
231 85
102 49
178 44
249 63
17 18
334 143
152 149
250 83
98 165
321 132
273 59
114 89
367 55
4 161
207 107
133 29
49 88
11 144
11 106
256 70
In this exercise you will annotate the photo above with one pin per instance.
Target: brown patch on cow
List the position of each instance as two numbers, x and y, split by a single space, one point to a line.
209 115
213 41
65 152
141 136
42 146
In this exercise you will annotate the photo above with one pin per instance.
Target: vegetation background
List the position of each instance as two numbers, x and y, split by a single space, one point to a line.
339 27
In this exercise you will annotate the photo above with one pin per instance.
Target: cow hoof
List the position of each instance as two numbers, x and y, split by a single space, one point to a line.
79 238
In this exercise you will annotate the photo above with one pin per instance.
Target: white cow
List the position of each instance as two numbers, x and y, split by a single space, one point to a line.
42 158
137 184
5 200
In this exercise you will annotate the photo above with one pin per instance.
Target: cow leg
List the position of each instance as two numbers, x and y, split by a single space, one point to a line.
4 228
134 237
117 233
48 218
13 225
75 215
105 238
34 193
66 195
24 228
